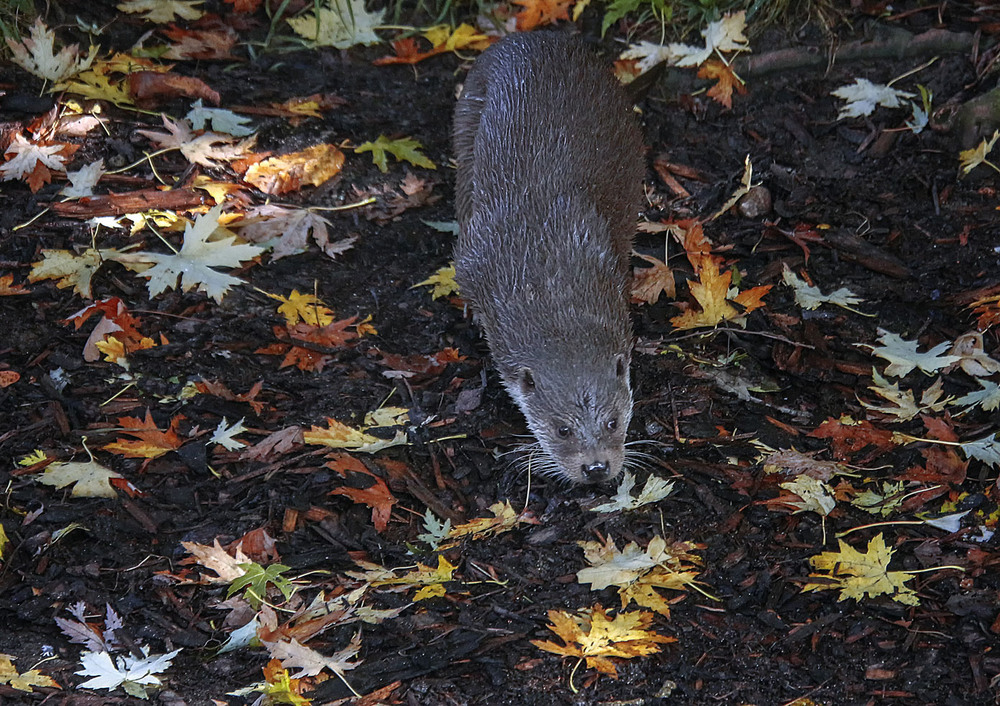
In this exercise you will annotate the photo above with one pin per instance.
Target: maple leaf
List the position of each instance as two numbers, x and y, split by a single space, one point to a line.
591 636
149 441
374 493
442 281
208 149
987 310
289 172
809 494
198 255
797 463
213 44
287 231
407 51
162 11
973 359
294 655
850 436
107 79
340 24
34 162
858 574
279 688
637 571
9 289
986 450
505 518
903 406
987 397
541 12
863 96
655 490
228 567
903 356
89 478
131 673
255 580
306 357
465 36
882 503
404 149
83 180
71 270
432 580
435 532
809 297
221 120
721 36
972 158
37 56
224 435
307 308
341 436
711 291
649 282
726 82
23 682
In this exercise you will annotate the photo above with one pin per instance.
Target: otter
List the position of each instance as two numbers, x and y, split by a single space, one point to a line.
549 185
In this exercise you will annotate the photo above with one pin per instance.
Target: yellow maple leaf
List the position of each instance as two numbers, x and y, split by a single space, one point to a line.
290 172
442 281
859 574
465 36
504 518
340 436
971 159
22 682
713 295
149 441
280 688
590 635
303 307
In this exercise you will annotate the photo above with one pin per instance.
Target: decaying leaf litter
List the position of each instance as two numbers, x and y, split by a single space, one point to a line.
817 381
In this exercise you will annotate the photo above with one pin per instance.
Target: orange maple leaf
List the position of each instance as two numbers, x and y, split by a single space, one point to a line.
727 81
711 291
9 289
541 12
849 437
149 441
374 493
408 52
311 356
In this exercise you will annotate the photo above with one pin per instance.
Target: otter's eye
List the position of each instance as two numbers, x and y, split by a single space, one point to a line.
527 380
613 423
563 431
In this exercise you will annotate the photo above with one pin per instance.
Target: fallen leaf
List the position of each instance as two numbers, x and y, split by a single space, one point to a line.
404 149
339 23
89 478
856 574
591 636
290 172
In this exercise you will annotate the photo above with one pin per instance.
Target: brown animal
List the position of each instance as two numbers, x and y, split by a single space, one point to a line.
550 167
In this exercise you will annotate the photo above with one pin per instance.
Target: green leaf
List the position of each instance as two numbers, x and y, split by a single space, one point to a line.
255 582
405 149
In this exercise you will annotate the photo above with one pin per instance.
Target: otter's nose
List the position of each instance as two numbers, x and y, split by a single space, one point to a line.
596 472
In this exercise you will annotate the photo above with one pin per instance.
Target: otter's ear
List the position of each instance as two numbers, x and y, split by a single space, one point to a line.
621 366
526 381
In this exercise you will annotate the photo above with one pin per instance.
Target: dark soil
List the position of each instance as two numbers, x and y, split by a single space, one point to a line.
895 225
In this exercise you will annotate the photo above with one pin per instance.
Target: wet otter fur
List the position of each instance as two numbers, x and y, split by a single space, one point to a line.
550 168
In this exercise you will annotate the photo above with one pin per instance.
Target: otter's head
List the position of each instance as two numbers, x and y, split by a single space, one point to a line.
579 410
